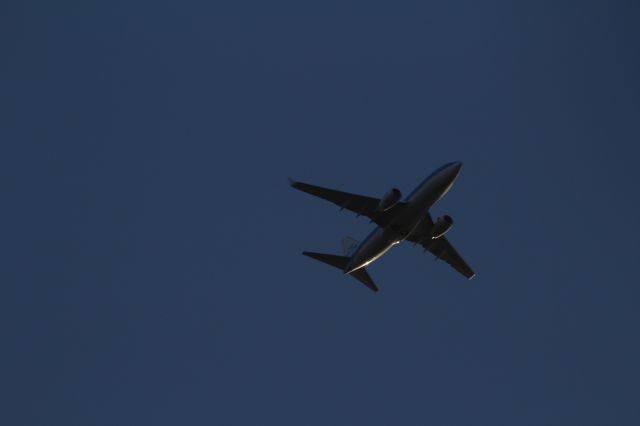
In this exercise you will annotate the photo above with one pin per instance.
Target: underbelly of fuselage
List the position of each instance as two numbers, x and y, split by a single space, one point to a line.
413 213
382 239
374 246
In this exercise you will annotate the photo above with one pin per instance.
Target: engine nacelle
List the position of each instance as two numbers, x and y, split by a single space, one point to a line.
390 199
442 225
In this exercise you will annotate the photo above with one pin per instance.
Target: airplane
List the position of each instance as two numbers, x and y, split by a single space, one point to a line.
396 221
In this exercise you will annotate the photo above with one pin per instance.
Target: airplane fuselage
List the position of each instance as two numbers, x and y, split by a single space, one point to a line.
418 204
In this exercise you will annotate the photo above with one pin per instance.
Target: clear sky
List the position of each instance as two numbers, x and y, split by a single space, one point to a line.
151 246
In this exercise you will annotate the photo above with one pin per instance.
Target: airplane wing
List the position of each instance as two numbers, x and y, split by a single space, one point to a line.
359 204
441 248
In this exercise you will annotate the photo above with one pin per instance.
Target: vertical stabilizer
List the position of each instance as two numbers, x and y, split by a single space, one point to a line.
349 246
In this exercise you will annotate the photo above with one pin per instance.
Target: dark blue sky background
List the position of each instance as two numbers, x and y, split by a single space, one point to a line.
151 267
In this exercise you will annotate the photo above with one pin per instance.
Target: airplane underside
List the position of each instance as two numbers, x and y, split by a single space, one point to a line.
396 220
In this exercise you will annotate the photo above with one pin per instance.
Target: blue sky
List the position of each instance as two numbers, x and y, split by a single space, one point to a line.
152 270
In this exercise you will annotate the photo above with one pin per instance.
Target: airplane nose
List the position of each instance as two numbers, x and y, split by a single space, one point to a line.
454 169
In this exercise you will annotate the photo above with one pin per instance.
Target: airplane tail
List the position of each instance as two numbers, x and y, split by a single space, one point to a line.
341 262
349 246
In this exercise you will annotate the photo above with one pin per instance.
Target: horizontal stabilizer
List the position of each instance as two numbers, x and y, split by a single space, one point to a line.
363 276
341 262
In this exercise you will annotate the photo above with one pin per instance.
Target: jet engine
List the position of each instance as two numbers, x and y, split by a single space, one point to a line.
442 225
390 199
